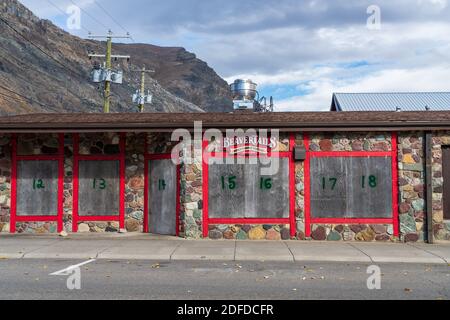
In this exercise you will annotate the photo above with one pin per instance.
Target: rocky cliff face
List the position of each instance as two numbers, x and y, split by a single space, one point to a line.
56 78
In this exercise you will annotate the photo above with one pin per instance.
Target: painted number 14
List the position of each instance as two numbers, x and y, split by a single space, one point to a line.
161 184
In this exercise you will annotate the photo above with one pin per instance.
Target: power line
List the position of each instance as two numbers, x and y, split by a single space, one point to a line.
39 48
110 16
30 67
35 70
65 13
90 16
26 98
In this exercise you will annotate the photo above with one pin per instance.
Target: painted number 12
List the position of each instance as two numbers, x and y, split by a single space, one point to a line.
38 184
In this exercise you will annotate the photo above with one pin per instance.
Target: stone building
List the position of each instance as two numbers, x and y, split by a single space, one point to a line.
348 176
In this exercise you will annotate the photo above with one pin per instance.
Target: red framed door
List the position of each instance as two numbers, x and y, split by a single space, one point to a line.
161 195
393 220
32 175
101 187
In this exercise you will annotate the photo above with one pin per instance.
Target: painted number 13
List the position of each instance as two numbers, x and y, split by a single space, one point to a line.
99 184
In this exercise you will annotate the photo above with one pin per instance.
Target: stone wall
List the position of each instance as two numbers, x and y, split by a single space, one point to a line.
412 211
191 197
99 144
68 182
5 182
350 142
134 181
300 192
411 166
249 232
441 228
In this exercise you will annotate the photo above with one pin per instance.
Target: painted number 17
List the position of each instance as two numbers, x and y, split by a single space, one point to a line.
331 182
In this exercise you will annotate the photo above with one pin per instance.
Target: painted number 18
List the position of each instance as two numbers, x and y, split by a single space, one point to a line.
372 181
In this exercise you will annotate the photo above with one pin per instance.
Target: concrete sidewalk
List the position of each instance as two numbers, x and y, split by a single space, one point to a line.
146 247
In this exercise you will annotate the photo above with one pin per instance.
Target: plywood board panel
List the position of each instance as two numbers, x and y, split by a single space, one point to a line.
241 191
99 188
162 195
37 188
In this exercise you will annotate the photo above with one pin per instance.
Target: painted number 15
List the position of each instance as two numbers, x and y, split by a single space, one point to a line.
229 183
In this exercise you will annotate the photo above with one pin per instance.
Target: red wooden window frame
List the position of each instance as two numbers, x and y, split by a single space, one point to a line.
164 156
60 210
291 221
76 159
311 154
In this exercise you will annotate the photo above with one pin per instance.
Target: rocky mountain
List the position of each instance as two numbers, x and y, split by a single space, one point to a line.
50 71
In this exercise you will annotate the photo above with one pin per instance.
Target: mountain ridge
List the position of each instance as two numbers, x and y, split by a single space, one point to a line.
49 70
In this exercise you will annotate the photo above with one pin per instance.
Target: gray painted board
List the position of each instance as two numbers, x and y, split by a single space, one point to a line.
240 191
99 188
353 187
162 195
37 188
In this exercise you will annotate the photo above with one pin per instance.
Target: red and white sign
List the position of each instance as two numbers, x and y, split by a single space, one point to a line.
253 144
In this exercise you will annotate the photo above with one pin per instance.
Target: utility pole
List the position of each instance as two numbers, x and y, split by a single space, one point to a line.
106 74
140 98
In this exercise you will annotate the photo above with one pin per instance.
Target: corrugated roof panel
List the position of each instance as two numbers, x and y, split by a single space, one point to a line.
407 101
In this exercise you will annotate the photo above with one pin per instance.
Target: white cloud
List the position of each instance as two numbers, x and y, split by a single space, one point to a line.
397 80
51 8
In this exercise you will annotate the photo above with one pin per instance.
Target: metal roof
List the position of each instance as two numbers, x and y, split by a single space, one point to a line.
406 101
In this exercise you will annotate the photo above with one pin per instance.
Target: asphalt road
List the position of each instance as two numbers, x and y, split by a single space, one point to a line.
102 279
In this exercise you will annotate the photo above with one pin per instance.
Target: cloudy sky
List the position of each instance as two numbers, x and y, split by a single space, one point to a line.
299 51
